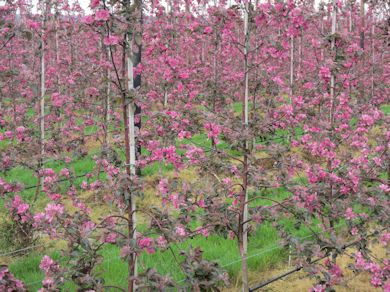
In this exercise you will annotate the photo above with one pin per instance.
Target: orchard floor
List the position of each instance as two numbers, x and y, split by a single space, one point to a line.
298 282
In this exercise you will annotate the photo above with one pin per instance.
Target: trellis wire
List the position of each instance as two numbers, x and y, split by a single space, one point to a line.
57 181
4 254
263 251
298 268
276 246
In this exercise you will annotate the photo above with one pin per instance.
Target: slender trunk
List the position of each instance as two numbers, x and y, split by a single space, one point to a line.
291 67
350 17
57 65
372 57
11 85
332 95
362 24
57 48
243 217
214 101
333 77
107 106
202 52
42 94
131 109
362 43
300 55
108 102
165 97
128 116
187 4
322 33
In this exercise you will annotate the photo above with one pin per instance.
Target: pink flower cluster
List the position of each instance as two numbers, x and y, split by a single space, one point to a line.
147 244
325 73
213 130
195 154
20 210
111 40
102 15
379 275
168 153
8 282
51 270
49 215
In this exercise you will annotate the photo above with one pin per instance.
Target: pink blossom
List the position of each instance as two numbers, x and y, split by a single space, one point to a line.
354 231
180 231
38 219
22 208
231 235
201 203
208 30
49 172
102 15
125 251
203 231
9 134
318 288
84 185
213 130
94 3
111 40
194 154
385 238
46 264
162 242
336 273
386 287
33 24
138 69
146 243
367 120
65 172
53 210
86 228
227 181
57 99
384 188
349 214
92 91
163 186
325 73
184 135
110 237
184 75
89 19
180 87
376 281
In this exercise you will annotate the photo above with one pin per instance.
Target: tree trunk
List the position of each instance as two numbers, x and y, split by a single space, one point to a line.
42 94
372 57
291 67
362 24
131 109
243 218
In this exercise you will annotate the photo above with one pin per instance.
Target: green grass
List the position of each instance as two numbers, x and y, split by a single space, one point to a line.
386 109
263 254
